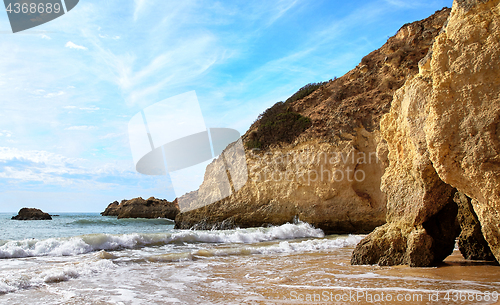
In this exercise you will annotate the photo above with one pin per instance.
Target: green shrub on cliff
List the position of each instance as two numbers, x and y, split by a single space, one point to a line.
277 124
280 123
304 91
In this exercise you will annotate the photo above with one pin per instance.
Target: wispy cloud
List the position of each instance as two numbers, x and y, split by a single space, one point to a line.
5 133
82 128
113 135
91 108
72 45
21 166
280 9
407 4
53 94
88 108
139 6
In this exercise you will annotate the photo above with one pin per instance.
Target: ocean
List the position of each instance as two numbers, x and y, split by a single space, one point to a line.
91 259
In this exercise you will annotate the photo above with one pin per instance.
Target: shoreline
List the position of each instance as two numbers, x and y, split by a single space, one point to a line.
246 266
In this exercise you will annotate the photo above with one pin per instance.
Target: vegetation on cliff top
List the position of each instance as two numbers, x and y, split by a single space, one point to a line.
304 91
279 123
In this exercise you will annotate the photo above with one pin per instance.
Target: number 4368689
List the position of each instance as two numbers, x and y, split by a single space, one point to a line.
33 8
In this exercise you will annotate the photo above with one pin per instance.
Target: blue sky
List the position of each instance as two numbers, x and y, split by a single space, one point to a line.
68 88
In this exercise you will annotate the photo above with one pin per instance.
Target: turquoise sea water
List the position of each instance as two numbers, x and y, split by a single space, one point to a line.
67 225
76 234
82 249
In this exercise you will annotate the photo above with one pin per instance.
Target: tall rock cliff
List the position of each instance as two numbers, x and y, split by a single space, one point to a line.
319 157
443 135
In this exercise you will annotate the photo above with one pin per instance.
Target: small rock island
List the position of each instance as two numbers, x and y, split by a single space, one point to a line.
31 214
140 208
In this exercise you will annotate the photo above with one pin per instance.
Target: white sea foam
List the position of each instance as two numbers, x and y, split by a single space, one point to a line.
95 242
312 245
45 274
61 275
285 247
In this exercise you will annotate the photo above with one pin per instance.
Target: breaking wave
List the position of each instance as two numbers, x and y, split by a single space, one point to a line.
96 242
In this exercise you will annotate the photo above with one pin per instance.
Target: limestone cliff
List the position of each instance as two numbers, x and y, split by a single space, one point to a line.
443 135
463 127
140 208
320 158
415 194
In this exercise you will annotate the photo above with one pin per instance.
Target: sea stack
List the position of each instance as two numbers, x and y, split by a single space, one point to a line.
31 214
140 208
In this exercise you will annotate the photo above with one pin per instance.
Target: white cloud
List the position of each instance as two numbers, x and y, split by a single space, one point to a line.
72 45
50 168
182 63
116 37
112 135
91 108
139 6
43 36
280 9
35 156
39 91
5 133
81 128
54 94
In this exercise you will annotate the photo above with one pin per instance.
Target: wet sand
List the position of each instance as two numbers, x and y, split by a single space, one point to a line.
329 279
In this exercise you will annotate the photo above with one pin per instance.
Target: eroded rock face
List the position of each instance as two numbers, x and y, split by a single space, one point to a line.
140 208
463 126
419 205
315 177
31 214
471 242
112 209
303 182
442 135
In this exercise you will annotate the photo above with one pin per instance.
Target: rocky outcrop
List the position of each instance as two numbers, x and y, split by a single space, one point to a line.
442 134
471 241
415 194
330 173
31 214
112 209
140 208
463 127
281 189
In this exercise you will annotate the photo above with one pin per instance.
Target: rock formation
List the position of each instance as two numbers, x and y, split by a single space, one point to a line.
112 209
443 134
320 158
31 214
463 127
471 240
140 208
415 194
